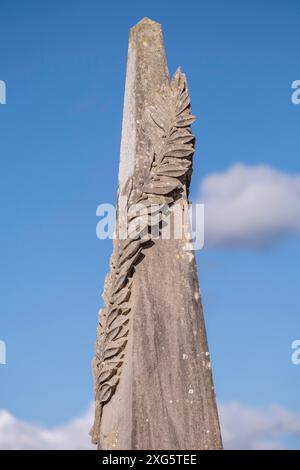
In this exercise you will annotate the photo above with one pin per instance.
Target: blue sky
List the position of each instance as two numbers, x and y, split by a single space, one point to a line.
64 67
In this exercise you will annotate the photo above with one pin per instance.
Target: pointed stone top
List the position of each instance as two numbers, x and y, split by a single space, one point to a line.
144 22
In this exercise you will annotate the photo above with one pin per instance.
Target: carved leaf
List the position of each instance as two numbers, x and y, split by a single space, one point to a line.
114 348
175 161
120 282
107 389
112 315
114 362
130 251
113 333
106 393
180 131
179 151
122 296
178 82
184 121
106 374
128 265
172 170
163 200
119 321
182 139
161 187
184 102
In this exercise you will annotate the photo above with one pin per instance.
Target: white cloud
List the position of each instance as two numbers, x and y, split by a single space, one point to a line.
242 428
19 435
257 428
250 207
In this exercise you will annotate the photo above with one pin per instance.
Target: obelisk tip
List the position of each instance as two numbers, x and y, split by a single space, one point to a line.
145 22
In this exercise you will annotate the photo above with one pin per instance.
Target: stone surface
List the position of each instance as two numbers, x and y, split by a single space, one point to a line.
153 379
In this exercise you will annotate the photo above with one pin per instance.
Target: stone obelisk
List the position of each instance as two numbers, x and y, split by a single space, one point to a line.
153 381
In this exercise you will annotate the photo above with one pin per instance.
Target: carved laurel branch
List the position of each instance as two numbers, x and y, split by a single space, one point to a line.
170 165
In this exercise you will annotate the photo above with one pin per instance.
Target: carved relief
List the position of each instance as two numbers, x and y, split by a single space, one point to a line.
167 127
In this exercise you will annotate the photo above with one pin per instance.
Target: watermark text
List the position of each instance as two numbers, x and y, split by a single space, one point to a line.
295 358
2 352
152 221
295 97
2 92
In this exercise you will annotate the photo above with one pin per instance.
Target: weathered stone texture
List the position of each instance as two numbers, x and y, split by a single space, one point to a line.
164 398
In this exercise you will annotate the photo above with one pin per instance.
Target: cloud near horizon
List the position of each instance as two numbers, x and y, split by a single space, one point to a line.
250 207
243 427
20 435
